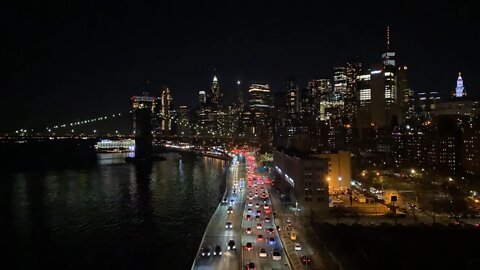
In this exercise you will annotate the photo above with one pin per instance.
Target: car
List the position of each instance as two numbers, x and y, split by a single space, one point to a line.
293 236
289 220
257 205
298 246
259 212
224 201
271 241
249 210
262 253
257 217
205 252
248 230
256 194
266 206
270 230
232 201
250 197
260 238
259 226
267 219
231 245
248 217
278 228
230 210
217 251
305 259
276 256
251 266
248 246
228 225
250 203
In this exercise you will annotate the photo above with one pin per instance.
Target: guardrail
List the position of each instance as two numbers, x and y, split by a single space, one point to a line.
214 213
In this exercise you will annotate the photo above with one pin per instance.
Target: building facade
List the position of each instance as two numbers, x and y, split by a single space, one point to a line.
339 174
306 179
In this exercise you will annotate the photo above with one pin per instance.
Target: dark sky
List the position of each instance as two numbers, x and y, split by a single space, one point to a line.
67 60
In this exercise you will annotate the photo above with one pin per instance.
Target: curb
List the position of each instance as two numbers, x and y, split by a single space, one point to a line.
208 225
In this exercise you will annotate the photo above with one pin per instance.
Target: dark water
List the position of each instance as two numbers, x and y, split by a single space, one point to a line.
110 216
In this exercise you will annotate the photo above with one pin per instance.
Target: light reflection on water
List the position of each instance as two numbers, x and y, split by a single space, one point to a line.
112 215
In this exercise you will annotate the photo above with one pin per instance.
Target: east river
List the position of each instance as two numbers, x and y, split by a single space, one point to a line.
112 215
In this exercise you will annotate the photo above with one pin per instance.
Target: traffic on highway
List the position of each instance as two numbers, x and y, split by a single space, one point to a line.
242 233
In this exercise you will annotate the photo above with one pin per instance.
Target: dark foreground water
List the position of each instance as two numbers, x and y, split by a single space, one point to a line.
109 216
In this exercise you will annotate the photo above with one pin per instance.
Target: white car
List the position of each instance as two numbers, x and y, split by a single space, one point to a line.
298 246
262 253
276 256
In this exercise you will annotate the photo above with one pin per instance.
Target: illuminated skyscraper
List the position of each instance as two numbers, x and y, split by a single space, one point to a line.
184 123
217 96
293 99
292 108
351 99
202 98
260 110
165 111
407 99
364 119
460 89
340 81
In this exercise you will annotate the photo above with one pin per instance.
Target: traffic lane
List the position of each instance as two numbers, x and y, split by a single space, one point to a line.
281 264
228 259
267 262
217 234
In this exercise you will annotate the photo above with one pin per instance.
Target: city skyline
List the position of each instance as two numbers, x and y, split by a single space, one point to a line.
92 57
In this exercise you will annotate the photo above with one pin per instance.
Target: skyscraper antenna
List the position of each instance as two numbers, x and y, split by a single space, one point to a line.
388 37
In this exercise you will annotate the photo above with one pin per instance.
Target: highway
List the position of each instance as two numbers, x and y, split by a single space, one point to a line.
255 187
242 184
217 234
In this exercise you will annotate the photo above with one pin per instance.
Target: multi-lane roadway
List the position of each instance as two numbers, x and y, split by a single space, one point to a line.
258 226
217 233
247 208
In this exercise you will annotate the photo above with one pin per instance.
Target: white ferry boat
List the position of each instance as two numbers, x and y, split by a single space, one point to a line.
115 146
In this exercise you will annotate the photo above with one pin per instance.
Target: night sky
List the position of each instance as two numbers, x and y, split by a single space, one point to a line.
67 60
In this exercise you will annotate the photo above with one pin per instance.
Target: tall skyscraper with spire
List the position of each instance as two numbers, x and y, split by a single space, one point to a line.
216 93
460 89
